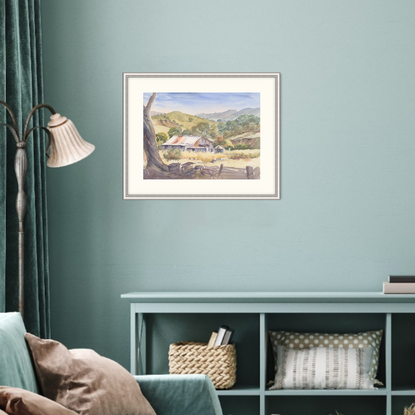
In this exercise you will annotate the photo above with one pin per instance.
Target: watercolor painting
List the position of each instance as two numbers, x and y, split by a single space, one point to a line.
202 136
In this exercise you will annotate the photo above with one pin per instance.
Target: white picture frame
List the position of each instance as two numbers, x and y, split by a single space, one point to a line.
194 178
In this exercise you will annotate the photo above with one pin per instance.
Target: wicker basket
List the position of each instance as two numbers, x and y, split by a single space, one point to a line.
219 363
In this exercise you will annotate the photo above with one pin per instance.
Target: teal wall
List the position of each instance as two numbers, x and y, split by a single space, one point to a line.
345 220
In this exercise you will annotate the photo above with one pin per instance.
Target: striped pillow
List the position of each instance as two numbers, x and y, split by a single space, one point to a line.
293 340
323 368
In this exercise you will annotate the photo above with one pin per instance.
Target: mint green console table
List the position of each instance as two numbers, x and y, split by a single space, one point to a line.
324 312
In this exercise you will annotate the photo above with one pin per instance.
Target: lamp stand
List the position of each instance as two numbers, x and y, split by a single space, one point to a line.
20 167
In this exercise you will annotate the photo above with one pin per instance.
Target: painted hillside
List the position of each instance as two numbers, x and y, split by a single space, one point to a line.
240 133
163 122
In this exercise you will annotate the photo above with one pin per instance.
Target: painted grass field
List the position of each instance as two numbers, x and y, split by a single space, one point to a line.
236 158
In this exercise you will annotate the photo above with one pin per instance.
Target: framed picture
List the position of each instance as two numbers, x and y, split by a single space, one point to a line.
201 136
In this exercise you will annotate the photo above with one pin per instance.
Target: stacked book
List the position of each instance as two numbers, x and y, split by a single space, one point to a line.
399 284
221 338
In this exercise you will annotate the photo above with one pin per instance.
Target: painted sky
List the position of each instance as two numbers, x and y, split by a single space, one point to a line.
208 102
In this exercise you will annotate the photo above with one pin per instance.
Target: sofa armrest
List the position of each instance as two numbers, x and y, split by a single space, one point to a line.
180 394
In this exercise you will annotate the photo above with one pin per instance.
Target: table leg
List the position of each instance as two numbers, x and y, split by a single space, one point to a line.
142 352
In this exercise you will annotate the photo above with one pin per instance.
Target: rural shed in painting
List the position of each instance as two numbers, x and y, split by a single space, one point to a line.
218 149
189 143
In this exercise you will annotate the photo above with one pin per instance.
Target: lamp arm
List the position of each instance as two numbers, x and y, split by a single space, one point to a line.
49 134
11 113
32 111
13 131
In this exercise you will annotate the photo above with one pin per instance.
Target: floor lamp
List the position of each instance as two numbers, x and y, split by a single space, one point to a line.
66 147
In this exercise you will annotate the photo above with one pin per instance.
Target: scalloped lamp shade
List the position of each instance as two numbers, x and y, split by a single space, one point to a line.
67 146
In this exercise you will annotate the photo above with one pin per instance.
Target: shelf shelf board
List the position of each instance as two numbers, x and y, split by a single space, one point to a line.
267 297
404 390
239 391
327 392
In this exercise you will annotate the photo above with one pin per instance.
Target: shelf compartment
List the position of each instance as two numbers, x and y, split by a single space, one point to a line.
243 405
318 405
399 403
326 323
164 329
403 352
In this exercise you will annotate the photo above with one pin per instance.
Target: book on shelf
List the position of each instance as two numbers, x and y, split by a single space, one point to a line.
401 278
221 335
228 337
398 288
212 340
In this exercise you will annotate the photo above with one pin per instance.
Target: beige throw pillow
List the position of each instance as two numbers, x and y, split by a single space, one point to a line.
16 401
84 381
293 340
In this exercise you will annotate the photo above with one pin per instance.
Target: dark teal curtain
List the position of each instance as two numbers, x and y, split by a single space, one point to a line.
21 86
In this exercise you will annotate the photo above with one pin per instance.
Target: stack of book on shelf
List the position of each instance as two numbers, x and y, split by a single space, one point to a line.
399 284
221 338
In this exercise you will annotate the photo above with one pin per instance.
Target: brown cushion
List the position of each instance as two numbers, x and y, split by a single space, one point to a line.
84 381
15 401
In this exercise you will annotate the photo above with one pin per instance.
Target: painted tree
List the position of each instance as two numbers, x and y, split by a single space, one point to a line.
206 130
161 138
174 131
154 161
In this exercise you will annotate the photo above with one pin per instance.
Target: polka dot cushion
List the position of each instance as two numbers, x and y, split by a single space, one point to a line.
293 340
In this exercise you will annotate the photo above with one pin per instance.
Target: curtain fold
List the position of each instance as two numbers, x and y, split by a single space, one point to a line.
21 86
